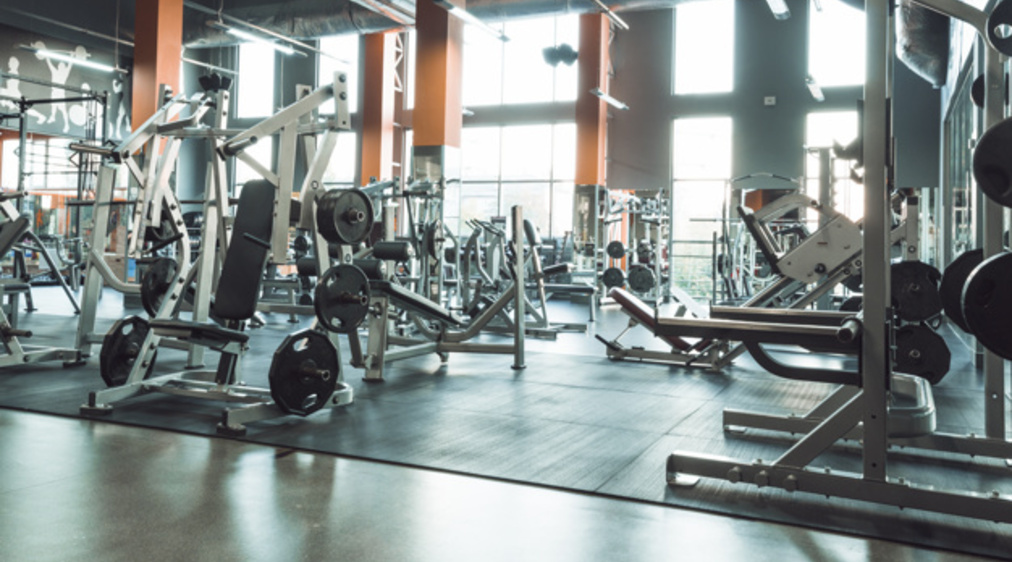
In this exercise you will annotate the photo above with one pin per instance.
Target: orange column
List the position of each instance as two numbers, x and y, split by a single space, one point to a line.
378 106
437 117
158 46
591 112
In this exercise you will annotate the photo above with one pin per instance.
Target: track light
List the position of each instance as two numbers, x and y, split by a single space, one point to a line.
257 39
560 53
609 100
779 9
467 17
814 89
77 60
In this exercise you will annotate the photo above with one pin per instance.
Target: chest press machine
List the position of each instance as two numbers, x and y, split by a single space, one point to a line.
305 374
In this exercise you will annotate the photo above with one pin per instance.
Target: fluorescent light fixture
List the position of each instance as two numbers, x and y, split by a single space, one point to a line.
467 17
779 9
609 100
245 36
814 89
619 22
74 60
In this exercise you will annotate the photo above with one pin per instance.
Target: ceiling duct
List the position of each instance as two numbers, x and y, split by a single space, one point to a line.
303 19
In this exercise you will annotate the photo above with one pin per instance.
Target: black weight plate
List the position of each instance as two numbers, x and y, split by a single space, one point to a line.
953 280
644 253
922 352
434 238
344 216
156 282
615 249
915 290
641 279
852 304
977 92
304 372
853 283
341 298
999 32
300 246
120 348
987 304
613 277
991 166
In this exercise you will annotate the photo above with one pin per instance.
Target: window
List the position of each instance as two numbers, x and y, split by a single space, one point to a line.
701 167
263 152
836 44
342 167
822 130
704 47
515 72
529 165
482 77
255 92
344 50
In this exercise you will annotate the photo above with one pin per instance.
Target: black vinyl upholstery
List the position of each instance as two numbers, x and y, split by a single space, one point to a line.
242 273
11 232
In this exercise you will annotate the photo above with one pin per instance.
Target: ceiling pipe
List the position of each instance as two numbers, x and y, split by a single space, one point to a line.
319 18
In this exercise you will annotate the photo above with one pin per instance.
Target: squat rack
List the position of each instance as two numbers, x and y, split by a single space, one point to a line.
867 405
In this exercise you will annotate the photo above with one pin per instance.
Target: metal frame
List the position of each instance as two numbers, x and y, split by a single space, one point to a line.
866 407
257 403
381 340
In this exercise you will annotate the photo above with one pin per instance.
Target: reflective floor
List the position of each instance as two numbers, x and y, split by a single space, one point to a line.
83 490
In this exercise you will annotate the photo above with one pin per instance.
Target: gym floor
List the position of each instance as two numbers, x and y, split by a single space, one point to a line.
562 461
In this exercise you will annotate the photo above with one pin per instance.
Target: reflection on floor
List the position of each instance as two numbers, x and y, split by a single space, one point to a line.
572 420
80 490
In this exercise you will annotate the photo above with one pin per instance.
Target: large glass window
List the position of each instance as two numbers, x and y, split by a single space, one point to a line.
822 129
255 94
701 167
342 51
341 170
262 152
528 165
835 44
704 47
515 71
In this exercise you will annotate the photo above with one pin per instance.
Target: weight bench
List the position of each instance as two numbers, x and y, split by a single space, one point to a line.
239 286
414 302
15 353
706 352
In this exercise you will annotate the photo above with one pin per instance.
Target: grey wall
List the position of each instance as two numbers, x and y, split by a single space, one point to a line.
770 60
